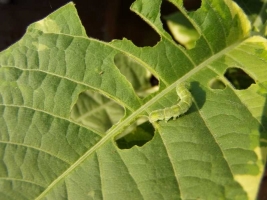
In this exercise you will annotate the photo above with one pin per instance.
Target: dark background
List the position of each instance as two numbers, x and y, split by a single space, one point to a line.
102 19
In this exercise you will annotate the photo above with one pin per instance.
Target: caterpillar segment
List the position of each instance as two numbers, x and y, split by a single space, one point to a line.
185 102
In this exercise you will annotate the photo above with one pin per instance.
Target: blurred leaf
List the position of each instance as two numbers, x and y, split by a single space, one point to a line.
182 30
135 73
257 13
96 111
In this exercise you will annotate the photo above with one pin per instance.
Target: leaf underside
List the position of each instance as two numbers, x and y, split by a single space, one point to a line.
217 150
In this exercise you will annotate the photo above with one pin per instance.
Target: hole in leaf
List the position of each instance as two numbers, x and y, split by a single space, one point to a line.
136 74
192 4
138 134
108 20
132 27
154 81
238 78
216 83
96 111
178 26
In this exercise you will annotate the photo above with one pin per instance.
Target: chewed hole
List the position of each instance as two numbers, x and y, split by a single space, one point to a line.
238 78
96 111
216 83
137 134
154 81
136 74
129 25
179 27
192 4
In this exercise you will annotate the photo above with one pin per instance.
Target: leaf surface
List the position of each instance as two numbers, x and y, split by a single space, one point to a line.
217 150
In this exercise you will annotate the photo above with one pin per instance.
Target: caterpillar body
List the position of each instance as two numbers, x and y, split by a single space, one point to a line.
174 111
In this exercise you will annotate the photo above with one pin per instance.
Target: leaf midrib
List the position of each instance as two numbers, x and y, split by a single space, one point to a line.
116 129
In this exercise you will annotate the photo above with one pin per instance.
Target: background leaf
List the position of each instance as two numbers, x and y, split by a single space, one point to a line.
257 12
96 111
217 150
182 30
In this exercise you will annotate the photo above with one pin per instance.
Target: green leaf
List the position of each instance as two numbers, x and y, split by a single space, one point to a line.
217 150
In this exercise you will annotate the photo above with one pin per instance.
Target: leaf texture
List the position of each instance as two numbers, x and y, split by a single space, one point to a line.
217 150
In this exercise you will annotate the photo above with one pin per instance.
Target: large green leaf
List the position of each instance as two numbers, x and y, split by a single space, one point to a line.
217 150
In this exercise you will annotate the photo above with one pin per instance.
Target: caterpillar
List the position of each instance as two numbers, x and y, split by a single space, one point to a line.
174 111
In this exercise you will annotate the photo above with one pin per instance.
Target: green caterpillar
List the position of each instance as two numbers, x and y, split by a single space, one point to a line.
174 111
